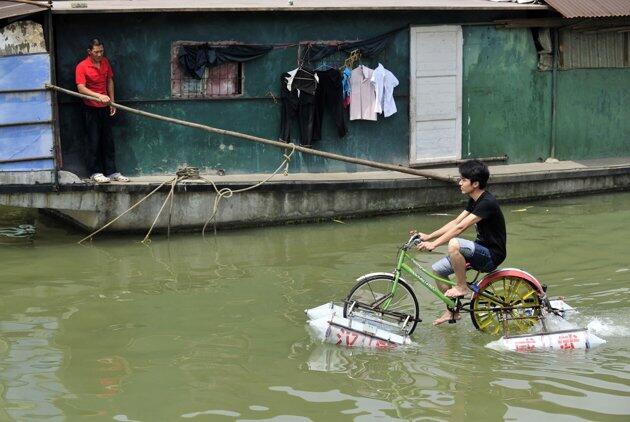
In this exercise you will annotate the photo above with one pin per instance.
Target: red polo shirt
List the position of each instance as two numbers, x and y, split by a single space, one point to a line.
94 78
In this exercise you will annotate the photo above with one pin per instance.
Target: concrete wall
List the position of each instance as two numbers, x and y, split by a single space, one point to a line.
506 106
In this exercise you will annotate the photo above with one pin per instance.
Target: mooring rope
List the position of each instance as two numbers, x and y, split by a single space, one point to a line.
227 192
91 235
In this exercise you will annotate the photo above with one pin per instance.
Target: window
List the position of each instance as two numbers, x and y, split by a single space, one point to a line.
222 81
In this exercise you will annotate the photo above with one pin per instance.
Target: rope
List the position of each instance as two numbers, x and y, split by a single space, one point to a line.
277 144
227 192
90 236
181 174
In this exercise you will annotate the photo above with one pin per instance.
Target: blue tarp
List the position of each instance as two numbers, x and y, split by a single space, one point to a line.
23 107
26 130
18 142
24 72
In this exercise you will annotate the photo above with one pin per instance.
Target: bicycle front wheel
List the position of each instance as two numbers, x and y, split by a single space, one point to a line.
378 296
508 304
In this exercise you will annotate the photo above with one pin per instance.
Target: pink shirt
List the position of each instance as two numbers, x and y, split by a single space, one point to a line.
362 94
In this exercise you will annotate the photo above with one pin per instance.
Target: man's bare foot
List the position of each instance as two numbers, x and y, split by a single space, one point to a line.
447 316
456 291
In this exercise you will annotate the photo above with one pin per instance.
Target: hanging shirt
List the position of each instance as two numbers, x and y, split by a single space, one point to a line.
302 79
289 78
345 83
362 94
384 83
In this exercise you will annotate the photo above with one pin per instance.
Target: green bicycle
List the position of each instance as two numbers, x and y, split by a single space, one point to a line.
505 300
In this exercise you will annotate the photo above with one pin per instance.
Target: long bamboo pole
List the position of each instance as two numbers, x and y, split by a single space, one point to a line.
282 145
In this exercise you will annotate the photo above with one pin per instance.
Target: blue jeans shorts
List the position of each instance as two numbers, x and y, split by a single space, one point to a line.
476 255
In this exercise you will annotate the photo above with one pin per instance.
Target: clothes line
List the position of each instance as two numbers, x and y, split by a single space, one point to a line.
282 145
196 58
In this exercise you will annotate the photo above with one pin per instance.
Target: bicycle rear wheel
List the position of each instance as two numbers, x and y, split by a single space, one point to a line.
379 297
517 314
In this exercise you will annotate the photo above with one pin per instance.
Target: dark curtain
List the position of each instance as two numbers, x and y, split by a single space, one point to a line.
195 58
368 48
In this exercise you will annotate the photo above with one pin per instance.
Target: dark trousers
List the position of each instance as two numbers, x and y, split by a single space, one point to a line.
329 96
294 108
100 155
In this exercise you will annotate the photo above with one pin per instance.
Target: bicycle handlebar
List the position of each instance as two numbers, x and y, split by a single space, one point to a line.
414 240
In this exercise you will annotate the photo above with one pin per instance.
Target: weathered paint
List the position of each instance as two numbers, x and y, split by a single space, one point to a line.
593 113
22 37
506 107
507 101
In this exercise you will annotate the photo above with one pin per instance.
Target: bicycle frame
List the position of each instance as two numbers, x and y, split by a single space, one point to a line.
402 267
504 304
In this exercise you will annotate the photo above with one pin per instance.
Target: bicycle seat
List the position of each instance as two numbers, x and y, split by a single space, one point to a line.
469 267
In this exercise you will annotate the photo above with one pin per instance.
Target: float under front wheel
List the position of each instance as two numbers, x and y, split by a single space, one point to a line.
378 297
508 305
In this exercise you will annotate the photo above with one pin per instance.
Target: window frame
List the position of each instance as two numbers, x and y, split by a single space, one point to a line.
177 72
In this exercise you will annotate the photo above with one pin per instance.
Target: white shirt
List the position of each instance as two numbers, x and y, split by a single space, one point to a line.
384 83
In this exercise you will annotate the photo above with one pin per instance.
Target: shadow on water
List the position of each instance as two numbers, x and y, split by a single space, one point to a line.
193 328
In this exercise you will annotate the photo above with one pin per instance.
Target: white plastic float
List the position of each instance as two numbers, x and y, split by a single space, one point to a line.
562 337
326 323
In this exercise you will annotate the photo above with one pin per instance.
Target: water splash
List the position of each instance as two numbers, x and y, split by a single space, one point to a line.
607 327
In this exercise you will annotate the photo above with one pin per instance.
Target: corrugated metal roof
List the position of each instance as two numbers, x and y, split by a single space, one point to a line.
10 9
104 6
590 8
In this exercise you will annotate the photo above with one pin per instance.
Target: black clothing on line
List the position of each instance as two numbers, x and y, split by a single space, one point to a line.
305 81
329 96
300 108
100 154
491 229
195 58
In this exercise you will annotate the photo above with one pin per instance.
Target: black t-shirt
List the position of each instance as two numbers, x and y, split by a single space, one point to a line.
491 228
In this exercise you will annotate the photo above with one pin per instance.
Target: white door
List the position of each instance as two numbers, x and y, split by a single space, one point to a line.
436 93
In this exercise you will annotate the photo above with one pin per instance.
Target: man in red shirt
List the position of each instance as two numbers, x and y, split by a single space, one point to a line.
94 77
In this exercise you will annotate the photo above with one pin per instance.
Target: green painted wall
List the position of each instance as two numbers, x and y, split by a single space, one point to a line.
139 51
593 113
506 101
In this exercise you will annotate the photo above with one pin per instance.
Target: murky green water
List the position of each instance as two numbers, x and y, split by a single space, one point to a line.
215 330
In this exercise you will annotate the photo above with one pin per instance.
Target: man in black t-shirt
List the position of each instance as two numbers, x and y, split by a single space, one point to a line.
486 252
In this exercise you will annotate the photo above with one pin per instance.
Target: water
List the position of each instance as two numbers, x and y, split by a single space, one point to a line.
215 330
